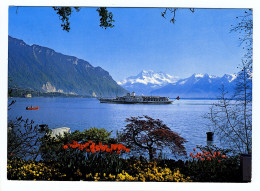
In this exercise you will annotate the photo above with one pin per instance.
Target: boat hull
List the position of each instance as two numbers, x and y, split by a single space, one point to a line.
32 108
134 102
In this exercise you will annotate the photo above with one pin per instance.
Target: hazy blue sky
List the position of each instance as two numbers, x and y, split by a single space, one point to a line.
198 42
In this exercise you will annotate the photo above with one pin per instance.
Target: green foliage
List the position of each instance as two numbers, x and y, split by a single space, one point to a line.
76 163
94 134
64 14
106 18
18 169
51 147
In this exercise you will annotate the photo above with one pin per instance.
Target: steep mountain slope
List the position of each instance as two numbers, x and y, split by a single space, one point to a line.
146 81
43 69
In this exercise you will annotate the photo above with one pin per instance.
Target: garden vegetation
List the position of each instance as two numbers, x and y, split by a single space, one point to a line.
93 155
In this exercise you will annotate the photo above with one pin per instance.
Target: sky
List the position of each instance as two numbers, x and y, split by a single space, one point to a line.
199 42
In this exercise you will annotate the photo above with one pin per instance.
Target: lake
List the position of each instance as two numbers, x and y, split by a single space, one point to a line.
184 116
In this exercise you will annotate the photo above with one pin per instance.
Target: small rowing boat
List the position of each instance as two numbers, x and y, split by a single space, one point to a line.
32 108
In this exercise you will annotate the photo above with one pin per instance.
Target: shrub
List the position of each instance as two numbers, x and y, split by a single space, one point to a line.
212 164
24 138
18 169
146 172
89 157
51 147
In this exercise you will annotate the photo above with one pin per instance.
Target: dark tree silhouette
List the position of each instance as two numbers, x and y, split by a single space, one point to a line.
145 134
173 13
64 14
106 17
244 27
24 138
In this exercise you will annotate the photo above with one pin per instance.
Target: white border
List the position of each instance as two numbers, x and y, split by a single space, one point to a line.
66 186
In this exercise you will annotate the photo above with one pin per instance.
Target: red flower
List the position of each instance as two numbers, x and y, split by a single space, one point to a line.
191 154
127 150
93 151
118 152
102 148
88 150
92 146
194 149
223 156
108 150
81 147
74 142
202 159
65 146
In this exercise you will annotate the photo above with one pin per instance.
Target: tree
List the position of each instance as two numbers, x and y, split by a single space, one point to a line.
173 12
244 27
232 119
145 134
106 17
24 138
64 13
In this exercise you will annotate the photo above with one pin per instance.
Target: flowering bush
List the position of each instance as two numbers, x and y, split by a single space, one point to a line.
212 164
90 157
18 169
91 147
51 147
142 172
208 156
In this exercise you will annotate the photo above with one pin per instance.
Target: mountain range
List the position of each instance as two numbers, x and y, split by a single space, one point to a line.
42 69
195 86
147 81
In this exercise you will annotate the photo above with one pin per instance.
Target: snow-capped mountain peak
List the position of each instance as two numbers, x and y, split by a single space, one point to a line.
199 75
149 77
146 81
230 77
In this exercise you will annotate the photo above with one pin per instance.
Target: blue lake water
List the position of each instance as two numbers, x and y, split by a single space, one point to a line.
185 117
